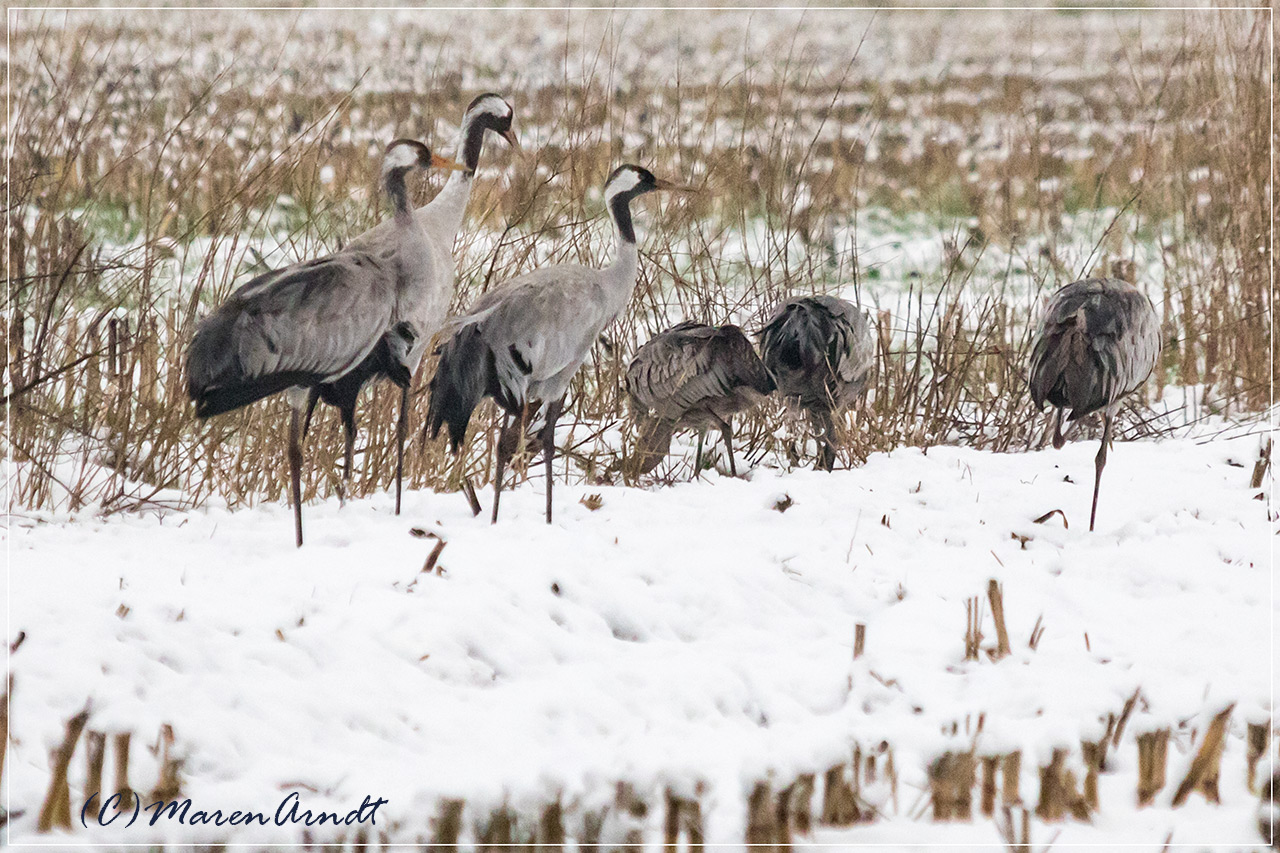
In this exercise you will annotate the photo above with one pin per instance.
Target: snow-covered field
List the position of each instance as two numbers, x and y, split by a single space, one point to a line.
693 639
693 636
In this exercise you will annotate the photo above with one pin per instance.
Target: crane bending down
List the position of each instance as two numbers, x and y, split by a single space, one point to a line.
820 351
692 376
525 339
1098 342
315 321
440 219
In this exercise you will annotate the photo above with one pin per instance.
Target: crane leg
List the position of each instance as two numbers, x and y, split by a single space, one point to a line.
348 452
501 466
549 445
469 490
1100 462
295 471
827 455
313 397
727 432
1058 438
697 456
402 430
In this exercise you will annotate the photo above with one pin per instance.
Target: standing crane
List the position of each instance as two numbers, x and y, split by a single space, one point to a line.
440 219
525 339
1098 341
693 376
819 350
315 321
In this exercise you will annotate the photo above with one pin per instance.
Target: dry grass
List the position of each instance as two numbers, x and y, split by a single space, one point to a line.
142 191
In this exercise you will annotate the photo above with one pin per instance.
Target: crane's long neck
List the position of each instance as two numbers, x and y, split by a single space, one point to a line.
470 144
451 202
620 276
394 184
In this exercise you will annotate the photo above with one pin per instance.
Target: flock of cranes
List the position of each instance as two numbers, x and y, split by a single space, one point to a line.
323 329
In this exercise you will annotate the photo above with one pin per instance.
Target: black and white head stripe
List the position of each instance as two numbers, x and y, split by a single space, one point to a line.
487 112
630 181
490 104
623 185
405 154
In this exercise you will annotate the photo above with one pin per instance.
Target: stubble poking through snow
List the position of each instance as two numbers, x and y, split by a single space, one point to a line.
673 636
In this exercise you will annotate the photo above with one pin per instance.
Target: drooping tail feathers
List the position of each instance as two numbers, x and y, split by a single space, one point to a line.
1067 373
460 381
819 350
216 382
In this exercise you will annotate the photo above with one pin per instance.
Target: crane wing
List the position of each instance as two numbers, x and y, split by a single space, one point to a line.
1099 340
307 323
692 363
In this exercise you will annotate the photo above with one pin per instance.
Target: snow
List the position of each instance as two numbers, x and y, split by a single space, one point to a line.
679 636
693 636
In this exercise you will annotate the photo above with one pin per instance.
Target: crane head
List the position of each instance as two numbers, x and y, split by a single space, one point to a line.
405 154
493 113
637 180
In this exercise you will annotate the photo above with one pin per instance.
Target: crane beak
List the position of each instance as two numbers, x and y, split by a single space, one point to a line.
660 184
510 136
438 162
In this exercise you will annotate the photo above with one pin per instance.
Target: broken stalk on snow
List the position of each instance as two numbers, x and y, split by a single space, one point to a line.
762 817
551 828
1258 734
1050 514
951 778
95 744
1037 631
1129 705
995 594
167 787
56 810
1260 467
973 628
120 743
683 815
499 832
839 803
1202 776
1058 793
446 826
1153 756
796 805
628 803
1011 777
1095 754
989 764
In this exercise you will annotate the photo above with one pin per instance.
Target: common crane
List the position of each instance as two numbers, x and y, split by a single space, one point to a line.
525 339
692 376
819 350
441 219
315 321
1098 341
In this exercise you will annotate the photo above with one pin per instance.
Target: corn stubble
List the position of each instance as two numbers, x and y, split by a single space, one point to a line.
95 331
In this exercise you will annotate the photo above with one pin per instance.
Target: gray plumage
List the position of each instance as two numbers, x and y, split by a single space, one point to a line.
525 339
692 376
313 322
440 221
265 338
820 351
1098 341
